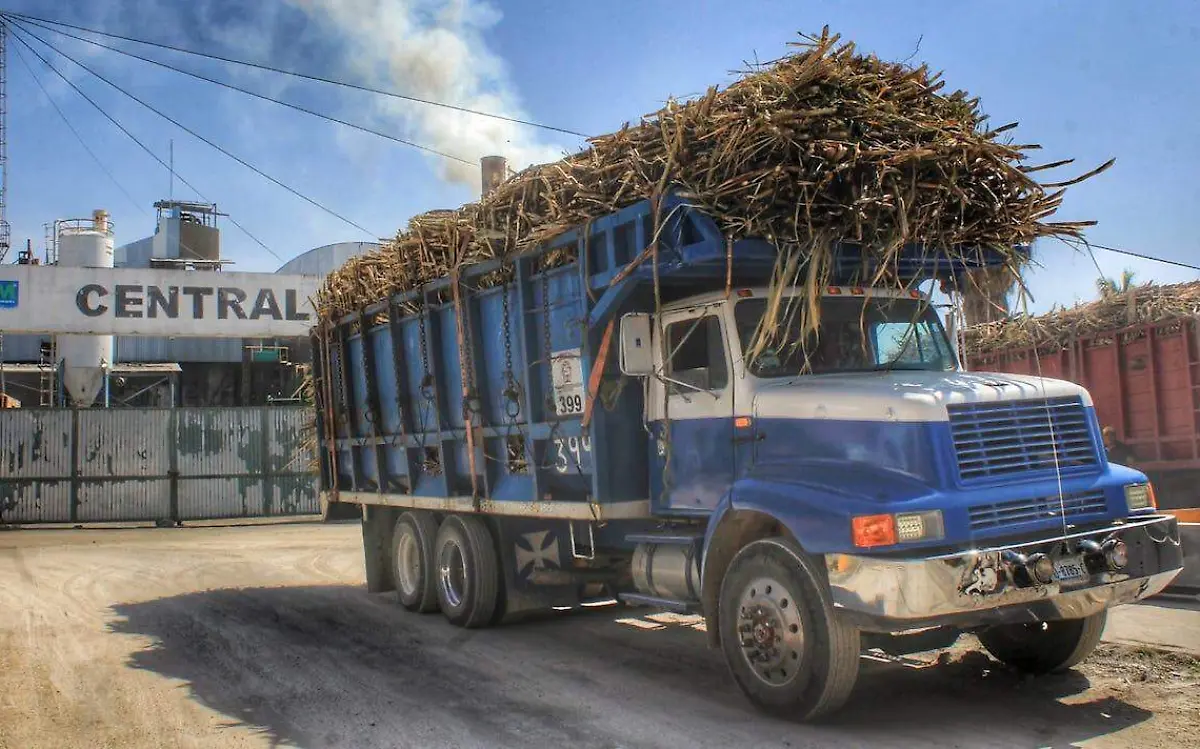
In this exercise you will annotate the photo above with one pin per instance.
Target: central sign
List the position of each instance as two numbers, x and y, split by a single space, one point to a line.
156 302
221 302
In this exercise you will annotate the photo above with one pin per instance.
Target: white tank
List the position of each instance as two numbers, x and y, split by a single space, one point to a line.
85 357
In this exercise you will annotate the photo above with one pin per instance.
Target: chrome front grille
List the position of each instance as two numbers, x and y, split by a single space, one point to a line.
1029 510
997 439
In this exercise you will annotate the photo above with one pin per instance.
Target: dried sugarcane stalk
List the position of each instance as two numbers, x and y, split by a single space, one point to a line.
823 144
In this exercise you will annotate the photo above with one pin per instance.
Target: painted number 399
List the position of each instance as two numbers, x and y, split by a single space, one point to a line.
570 452
570 404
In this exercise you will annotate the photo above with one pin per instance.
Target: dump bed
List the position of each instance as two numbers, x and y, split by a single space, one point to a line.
505 396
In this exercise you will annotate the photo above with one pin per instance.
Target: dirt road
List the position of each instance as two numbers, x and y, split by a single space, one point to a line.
263 636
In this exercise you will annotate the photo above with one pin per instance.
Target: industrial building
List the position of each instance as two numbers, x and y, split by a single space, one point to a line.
160 371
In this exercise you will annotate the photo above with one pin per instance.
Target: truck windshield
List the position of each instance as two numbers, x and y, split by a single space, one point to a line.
856 334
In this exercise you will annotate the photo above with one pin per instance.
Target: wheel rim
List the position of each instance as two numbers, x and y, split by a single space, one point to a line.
452 574
408 564
771 631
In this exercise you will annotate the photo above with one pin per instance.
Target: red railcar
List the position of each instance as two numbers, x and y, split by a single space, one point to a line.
1145 381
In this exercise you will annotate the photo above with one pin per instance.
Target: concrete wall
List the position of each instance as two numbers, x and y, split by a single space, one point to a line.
135 254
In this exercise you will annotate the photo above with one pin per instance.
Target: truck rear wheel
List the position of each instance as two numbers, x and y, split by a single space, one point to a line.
468 572
413 569
1045 647
786 647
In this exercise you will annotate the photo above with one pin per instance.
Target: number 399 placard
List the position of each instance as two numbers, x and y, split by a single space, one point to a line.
566 373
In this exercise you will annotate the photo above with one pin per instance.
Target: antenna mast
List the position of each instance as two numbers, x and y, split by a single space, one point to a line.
4 228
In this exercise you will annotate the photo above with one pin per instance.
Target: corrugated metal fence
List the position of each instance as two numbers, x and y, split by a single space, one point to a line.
78 466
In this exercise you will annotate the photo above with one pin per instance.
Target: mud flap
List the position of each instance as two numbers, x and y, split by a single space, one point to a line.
377 524
536 559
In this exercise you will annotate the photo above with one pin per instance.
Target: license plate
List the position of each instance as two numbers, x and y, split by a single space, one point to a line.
1069 568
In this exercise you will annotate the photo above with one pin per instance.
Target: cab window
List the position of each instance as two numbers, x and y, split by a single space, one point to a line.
696 354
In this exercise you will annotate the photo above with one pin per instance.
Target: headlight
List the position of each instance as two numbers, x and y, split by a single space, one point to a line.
1139 497
920 526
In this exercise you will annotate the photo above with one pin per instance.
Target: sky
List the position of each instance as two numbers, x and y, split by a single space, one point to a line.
1089 80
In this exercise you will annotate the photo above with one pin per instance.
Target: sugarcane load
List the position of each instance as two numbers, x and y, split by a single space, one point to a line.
696 367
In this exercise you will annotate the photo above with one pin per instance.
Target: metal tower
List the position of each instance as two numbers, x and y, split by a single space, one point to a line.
4 228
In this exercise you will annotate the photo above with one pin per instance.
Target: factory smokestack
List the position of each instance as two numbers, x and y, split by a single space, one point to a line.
494 169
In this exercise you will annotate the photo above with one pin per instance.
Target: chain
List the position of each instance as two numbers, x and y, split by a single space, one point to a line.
426 377
395 317
551 411
512 391
546 341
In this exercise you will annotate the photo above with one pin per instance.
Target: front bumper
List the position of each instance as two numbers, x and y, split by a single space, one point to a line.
978 588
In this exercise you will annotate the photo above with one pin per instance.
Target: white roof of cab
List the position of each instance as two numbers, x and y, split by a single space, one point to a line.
712 297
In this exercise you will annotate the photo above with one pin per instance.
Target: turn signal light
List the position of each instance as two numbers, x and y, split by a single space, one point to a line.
873 530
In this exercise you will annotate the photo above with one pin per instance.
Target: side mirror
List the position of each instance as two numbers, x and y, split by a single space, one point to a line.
637 355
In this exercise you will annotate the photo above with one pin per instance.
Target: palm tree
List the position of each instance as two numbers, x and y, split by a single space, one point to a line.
1109 288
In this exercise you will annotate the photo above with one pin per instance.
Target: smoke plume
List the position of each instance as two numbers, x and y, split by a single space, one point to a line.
435 50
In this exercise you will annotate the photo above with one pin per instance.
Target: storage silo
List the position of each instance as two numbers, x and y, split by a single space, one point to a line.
85 357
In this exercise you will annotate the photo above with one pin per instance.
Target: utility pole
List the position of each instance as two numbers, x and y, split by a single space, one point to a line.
4 228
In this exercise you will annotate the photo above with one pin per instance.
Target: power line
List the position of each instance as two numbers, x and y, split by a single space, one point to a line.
130 135
200 137
67 122
306 76
1131 253
256 95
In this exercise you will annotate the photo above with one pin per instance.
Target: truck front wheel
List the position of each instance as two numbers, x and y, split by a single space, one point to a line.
468 573
786 647
1045 647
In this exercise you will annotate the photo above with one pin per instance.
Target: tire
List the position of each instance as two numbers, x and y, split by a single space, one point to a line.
468 572
1045 647
414 571
773 608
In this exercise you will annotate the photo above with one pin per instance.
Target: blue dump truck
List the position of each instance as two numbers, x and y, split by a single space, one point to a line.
599 424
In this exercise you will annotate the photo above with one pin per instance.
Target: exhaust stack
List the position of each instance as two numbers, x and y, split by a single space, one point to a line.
494 169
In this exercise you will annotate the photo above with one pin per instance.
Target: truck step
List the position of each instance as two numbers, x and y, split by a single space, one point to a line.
667 604
668 539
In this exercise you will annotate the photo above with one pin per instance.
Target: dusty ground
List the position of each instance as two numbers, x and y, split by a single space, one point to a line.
263 636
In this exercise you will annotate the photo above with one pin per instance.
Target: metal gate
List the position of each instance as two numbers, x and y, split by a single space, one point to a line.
172 464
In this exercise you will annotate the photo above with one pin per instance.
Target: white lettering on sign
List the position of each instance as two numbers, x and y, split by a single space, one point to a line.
160 302
566 371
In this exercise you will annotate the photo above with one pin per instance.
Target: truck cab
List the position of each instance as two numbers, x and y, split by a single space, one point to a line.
917 500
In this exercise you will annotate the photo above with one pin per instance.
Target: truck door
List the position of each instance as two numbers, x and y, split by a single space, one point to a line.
691 413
